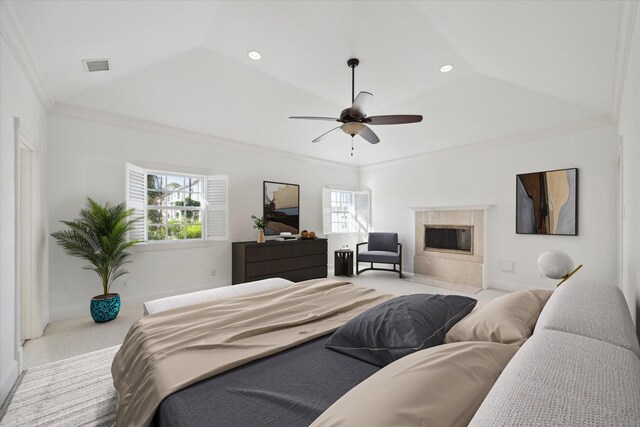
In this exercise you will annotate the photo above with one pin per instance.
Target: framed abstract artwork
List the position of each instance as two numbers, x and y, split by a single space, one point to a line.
281 207
547 202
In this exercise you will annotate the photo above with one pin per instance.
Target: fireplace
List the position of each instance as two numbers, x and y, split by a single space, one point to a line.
449 246
449 238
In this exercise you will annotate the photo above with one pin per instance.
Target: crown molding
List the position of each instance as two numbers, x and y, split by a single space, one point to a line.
626 18
593 122
13 34
89 114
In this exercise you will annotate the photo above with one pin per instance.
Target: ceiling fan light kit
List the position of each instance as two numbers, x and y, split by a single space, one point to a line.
352 128
355 120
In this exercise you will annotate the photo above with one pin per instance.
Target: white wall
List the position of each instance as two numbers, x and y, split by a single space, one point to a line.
87 158
17 99
487 176
629 128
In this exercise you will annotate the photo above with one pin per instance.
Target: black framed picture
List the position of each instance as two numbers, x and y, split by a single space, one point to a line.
547 202
281 207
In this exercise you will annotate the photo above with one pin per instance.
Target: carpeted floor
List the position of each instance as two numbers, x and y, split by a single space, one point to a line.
72 392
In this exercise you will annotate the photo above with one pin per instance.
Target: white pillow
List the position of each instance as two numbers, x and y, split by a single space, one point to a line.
176 301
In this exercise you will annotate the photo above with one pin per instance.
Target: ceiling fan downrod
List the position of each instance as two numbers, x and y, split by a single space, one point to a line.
353 63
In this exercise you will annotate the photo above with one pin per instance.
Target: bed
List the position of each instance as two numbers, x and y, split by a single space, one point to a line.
169 359
288 354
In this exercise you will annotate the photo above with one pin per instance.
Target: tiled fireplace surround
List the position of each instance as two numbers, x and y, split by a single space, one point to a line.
463 269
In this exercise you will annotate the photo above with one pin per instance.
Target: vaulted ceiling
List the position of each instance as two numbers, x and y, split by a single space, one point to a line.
519 67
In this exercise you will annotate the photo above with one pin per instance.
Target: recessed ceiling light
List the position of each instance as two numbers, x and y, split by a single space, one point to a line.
254 54
446 68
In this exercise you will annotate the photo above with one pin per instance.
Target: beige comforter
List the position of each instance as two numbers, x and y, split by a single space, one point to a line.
168 351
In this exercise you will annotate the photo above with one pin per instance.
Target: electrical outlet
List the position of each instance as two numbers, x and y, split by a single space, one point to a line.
213 272
507 266
124 284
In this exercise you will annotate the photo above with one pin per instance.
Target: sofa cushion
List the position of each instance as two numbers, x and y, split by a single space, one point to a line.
387 242
440 386
595 310
399 326
561 379
379 256
508 319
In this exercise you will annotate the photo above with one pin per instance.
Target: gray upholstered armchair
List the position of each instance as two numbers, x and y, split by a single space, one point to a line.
382 248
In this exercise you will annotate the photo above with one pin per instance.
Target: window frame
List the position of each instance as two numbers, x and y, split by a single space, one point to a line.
214 205
353 218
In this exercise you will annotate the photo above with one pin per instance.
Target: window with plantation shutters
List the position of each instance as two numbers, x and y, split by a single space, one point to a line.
345 211
176 207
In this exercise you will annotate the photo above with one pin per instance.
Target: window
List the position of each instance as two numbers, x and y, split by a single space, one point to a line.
342 211
176 207
346 211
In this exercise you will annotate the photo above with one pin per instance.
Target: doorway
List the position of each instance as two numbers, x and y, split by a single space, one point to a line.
27 224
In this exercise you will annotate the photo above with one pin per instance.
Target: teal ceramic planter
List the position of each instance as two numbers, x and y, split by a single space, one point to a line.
105 308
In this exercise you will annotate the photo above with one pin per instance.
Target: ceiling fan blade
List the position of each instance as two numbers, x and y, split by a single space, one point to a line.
324 134
396 119
328 119
361 104
369 135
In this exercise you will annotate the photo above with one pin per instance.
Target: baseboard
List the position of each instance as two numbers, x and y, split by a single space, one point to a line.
8 383
74 312
512 286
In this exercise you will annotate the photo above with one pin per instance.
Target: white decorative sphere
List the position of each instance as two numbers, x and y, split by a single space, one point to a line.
555 264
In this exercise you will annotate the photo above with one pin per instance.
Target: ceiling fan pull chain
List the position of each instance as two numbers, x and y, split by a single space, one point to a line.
352 146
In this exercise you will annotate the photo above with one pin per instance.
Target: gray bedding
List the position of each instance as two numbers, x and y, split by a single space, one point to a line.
290 389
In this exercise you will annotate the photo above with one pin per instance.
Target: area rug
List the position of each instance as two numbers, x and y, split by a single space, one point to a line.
72 392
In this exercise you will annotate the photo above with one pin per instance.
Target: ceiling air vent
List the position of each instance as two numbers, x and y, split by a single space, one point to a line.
91 65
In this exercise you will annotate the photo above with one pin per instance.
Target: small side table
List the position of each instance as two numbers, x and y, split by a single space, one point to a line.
343 263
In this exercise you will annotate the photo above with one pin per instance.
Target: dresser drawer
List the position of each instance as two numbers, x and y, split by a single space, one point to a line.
310 247
271 267
298 263
268 252
309 273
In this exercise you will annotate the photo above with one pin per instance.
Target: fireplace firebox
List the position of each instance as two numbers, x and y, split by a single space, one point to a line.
449 238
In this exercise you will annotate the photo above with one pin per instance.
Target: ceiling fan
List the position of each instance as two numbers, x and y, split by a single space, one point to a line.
355 120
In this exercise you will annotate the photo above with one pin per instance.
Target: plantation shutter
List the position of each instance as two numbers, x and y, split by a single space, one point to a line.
137 200
217 207
326 211
362 211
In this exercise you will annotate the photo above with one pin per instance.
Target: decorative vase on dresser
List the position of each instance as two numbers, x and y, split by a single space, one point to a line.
260 236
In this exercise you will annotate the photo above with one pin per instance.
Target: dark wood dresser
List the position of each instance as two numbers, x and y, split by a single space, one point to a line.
296 260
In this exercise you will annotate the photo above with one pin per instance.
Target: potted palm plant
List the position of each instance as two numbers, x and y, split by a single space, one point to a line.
99 236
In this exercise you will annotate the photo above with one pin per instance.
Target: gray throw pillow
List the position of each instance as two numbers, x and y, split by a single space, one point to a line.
400 326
